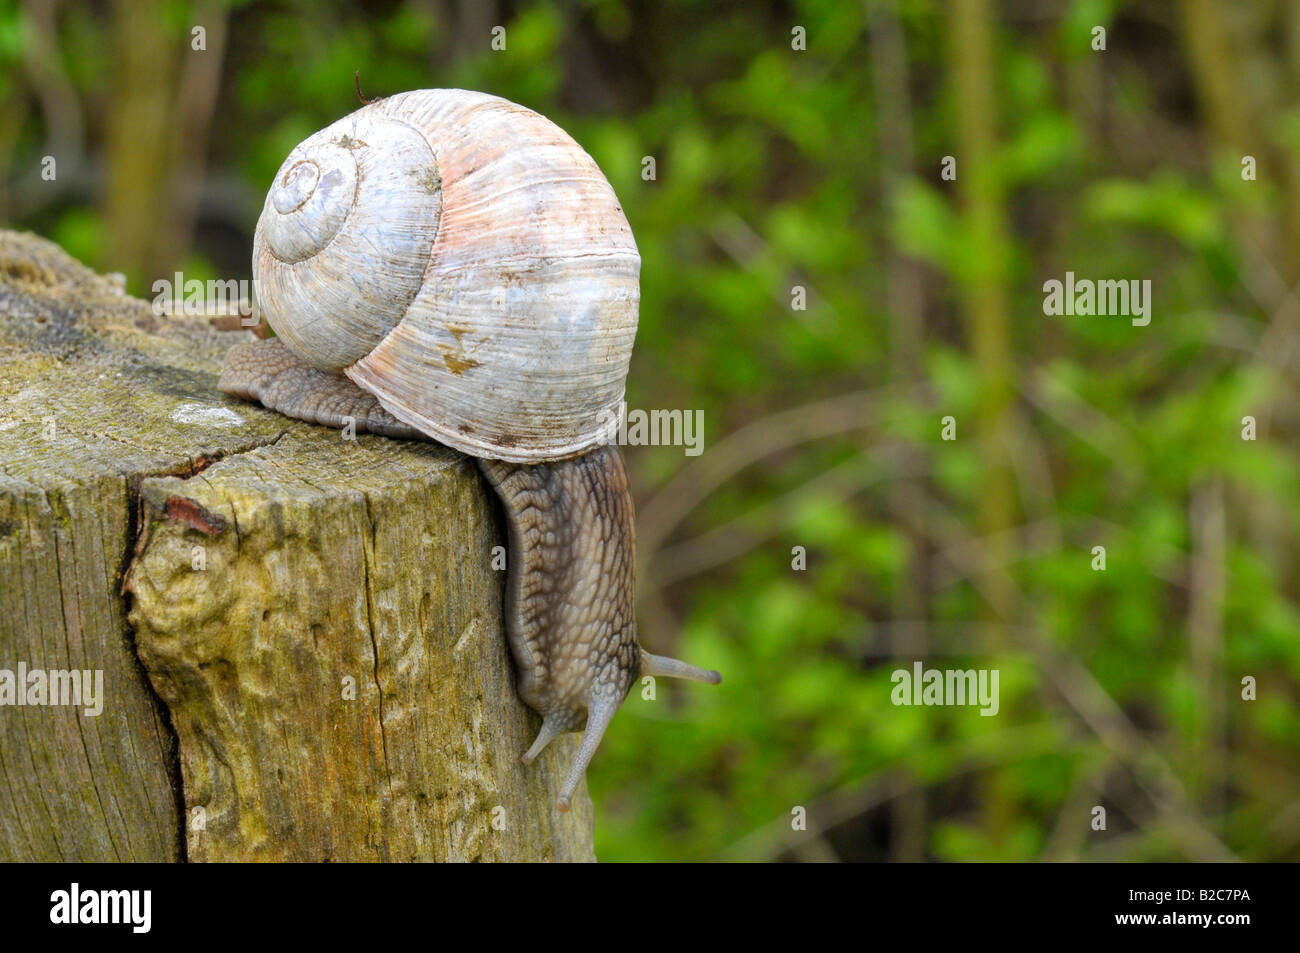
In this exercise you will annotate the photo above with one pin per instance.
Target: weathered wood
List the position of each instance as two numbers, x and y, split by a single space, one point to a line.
300 635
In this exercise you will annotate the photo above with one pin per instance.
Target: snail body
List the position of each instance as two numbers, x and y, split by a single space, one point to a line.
448 265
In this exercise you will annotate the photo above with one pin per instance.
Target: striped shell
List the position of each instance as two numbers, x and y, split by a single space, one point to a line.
464 260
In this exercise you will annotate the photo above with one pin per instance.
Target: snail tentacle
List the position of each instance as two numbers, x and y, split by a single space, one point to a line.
673 668
553 726
598 719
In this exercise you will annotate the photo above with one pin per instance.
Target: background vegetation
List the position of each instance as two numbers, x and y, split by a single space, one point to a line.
820 168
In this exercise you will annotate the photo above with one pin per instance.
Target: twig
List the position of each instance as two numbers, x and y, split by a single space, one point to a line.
851 800
742 533
1205 638
662 513
1093 705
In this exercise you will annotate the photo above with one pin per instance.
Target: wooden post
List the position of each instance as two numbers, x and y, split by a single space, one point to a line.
299 634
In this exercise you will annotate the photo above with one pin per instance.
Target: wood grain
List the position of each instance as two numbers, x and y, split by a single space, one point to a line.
331 682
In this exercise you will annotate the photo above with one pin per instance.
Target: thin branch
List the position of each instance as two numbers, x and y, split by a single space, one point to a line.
1094 706
737 536
662 513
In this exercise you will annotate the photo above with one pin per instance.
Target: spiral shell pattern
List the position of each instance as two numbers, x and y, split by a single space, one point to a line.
464 260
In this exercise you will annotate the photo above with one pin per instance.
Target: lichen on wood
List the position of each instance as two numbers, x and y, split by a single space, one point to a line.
300 634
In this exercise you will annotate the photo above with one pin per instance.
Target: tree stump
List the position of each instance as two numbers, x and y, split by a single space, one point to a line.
300 635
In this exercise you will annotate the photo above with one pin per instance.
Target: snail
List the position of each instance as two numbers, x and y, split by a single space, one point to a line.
448 265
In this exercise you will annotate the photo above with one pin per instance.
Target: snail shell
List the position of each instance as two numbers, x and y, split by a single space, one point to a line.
462 259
